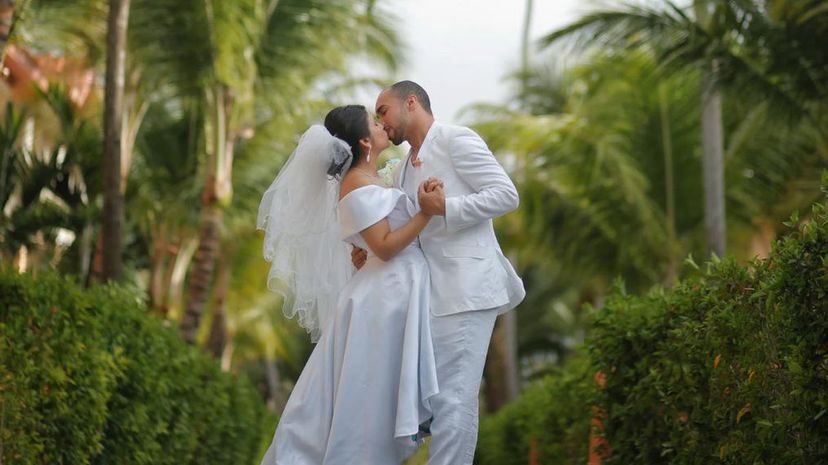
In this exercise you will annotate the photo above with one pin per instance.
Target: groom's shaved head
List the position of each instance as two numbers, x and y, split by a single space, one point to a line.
403 89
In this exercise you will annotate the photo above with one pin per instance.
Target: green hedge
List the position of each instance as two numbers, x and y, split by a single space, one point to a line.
89 378
729 368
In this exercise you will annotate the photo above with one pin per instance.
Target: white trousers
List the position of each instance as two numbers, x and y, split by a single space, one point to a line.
461 342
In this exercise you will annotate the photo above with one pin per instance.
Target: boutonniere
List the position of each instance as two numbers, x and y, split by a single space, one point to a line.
386 173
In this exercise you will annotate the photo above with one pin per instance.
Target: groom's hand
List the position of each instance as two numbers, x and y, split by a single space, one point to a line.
432 183
434 202
358 257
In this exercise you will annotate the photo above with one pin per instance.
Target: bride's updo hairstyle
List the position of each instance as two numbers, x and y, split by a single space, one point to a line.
349 123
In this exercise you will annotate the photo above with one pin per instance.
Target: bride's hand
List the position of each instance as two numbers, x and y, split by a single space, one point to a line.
358 257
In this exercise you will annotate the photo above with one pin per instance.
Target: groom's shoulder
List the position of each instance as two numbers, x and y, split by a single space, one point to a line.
450 131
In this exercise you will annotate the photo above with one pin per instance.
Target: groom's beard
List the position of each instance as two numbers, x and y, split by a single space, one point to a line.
398 136
395 137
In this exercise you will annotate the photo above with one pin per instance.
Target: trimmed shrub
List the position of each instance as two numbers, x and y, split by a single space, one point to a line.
728 368
89 378
55 384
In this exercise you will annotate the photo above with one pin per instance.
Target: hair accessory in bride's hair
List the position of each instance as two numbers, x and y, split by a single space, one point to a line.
341 158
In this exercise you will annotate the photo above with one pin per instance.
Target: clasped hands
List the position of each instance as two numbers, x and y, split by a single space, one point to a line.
432 201
431 197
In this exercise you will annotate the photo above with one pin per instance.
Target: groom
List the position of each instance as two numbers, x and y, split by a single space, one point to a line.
471 280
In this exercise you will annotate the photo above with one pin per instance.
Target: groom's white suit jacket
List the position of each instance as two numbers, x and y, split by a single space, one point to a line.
468 268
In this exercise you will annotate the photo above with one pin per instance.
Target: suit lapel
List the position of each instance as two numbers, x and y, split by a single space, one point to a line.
424 154
417 173
403 170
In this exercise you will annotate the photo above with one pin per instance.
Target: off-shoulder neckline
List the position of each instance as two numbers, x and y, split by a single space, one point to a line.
366 186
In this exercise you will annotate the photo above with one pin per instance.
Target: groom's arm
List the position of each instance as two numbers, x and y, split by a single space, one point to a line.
494 195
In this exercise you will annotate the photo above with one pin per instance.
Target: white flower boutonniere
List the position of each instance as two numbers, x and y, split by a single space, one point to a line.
386 172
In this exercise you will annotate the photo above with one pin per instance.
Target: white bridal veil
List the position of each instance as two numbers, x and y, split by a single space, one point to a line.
309 261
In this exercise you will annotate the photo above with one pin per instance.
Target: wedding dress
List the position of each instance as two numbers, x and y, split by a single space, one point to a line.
366 386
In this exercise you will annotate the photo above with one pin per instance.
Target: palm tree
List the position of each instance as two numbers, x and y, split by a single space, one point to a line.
256 332
573 235
160 198
592 169
676 32
525 47
245 62
712 143
501 374
113 210
589 156
78 31
749 45
47 187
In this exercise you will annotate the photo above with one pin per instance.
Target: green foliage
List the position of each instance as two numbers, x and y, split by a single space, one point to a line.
730 367
89 378
55 384
50 186
551 413
766 49
606 151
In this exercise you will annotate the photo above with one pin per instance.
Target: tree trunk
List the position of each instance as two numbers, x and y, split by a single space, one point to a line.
512 369
669 186
501 374
227 355
218 326
712 144
133 116
158 265
181 263
163 302
21 259
113 210
134 111
198 286
85 253
96 273
524 65
217 194
713 164
169 258
501 371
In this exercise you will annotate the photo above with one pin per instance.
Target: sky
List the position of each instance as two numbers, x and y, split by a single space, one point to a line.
460 51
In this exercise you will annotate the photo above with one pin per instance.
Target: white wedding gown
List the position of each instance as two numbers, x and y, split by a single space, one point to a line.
366 387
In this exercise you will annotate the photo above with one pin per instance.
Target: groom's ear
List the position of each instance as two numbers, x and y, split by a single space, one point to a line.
411 102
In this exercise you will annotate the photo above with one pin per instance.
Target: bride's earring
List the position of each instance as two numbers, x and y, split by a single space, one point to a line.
368 158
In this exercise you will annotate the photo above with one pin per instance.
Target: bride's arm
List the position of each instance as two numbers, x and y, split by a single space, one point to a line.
381 240
386 243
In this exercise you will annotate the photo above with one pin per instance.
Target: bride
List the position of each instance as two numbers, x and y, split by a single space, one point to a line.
366 386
